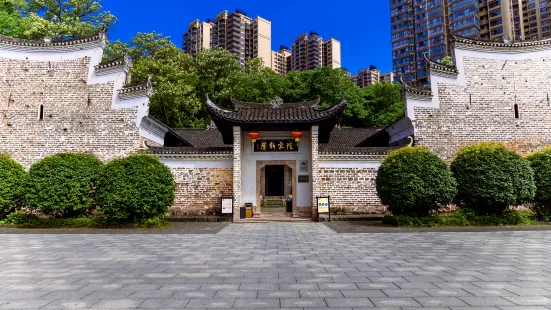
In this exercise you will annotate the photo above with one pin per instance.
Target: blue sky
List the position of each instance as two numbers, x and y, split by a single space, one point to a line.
362 26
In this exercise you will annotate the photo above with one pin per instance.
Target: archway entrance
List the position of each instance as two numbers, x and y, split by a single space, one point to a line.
275 183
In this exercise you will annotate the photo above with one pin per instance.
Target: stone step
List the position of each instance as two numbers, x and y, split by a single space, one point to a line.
272 218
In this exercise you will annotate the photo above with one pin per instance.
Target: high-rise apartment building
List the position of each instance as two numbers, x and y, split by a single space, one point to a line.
310 52
387 77
533 20
497 19
197 37
282 60
424 26
244 37
332 53
367 77
372 75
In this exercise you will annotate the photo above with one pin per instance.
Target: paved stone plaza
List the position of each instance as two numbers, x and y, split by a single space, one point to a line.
282 265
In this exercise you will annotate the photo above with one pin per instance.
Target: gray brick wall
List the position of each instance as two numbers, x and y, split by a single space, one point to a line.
483 109
77 116
198 190
352 190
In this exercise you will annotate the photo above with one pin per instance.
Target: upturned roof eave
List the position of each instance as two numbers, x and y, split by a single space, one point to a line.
220 113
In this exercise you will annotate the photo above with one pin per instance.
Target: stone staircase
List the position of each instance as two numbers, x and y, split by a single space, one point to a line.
268 216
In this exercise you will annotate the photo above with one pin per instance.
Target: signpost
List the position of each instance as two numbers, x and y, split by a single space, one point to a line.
226 205
324 206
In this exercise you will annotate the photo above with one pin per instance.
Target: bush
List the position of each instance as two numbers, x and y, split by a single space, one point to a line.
461 219
541 164
63 184
491 178
21 218
413 181
135 188
12 180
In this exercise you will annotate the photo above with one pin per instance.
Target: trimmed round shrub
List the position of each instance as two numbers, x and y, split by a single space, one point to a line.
541 164
63 184
12 181
490 178
412 181
135 188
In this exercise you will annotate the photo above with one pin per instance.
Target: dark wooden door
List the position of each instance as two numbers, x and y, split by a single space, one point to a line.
275 180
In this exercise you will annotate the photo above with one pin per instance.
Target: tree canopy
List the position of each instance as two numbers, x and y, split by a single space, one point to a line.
59 19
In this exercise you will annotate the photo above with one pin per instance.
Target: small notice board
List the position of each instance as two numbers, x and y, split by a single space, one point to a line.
226 205
324 206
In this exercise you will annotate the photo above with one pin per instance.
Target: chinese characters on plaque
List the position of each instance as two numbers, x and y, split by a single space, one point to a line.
287 145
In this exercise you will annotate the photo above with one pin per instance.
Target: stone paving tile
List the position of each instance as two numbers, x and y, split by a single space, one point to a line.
260 303
220 303
303 302
71 304
395 302
156 303
486 301
118 304
268 266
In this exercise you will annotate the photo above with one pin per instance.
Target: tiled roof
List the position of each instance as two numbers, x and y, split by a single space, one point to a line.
202 138
440 69
100 38
348 137
356 150
123 61
249 113
144 89
240 105
409 91
516 46
209 141
191 150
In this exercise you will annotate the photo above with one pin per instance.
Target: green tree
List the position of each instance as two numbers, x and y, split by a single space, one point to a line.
175 99
217 70
329 84
63 19
258 83
143 44
10 19
377 105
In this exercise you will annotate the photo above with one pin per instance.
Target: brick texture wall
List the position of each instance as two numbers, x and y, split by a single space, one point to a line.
77 116
483 109
198 190
352 190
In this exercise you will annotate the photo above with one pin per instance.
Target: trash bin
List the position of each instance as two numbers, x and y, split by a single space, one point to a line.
242 213
249 210
289 205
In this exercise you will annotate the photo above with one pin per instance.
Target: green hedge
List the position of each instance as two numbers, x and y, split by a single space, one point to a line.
462 218
25 220
491 178
541 164
413 181
135 188
63 184
12 180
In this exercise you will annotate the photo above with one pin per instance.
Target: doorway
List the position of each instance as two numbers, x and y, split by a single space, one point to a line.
275 180
275 183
